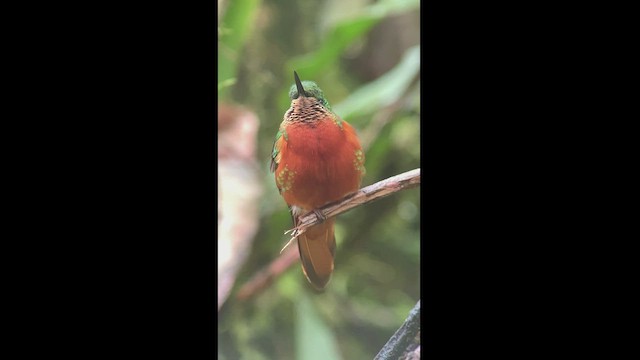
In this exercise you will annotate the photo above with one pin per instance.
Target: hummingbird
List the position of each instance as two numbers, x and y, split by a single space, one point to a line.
317 159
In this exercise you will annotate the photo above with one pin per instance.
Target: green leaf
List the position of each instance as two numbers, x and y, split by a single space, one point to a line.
384 90
232 33
339 38
343 34
314 339
226 83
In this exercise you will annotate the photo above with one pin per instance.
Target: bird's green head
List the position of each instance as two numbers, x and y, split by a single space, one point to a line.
307 89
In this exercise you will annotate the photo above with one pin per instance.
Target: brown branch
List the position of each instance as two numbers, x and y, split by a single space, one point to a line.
265 277
386 187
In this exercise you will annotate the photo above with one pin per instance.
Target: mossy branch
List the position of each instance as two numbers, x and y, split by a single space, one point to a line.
402 342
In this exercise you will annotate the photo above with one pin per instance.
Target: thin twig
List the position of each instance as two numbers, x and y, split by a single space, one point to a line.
265 276
378 122
383 116
402 340
383 188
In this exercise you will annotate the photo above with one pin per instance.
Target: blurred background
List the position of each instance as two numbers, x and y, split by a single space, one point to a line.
365 56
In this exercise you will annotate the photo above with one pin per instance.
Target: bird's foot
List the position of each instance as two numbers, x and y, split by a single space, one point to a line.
297 230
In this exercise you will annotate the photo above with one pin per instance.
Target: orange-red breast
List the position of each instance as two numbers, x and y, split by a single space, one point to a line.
317 159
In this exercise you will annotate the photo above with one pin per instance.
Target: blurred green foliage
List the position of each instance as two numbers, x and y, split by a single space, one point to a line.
377 271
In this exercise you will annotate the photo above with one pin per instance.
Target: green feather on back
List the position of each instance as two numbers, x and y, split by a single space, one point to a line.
275 159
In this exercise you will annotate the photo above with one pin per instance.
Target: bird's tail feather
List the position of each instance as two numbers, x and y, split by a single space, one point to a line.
317 248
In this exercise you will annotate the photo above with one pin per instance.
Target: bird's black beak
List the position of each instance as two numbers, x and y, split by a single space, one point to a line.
299 85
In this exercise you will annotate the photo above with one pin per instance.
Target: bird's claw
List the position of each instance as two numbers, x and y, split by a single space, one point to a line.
319 215
296 231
